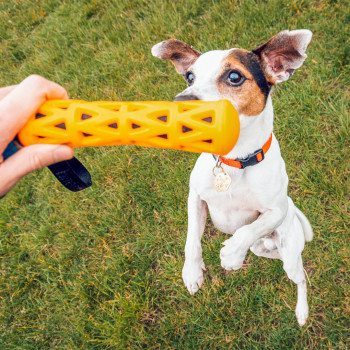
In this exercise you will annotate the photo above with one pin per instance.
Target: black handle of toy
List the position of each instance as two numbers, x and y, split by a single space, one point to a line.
70 173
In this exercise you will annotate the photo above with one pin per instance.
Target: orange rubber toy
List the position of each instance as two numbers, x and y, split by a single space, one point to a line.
194 126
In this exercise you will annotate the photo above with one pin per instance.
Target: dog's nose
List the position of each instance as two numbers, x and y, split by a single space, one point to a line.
185 98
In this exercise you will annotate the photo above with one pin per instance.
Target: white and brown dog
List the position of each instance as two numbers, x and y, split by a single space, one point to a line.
255 208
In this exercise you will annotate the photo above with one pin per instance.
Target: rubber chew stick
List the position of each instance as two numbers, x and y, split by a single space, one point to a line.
194 126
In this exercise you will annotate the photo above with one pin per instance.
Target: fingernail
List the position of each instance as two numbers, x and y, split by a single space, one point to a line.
63 153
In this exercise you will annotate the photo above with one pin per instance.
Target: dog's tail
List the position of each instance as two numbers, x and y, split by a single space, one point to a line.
308 232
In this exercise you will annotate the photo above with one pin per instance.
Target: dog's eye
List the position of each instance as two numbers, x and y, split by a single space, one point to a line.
189 77
235 78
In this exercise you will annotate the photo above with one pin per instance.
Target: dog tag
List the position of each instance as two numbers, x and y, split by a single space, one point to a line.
222 180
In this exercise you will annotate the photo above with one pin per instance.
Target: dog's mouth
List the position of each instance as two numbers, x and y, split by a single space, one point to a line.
186 98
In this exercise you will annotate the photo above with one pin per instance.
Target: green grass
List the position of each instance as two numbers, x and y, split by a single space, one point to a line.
101 269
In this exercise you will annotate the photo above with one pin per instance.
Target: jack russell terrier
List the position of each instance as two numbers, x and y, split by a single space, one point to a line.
249 199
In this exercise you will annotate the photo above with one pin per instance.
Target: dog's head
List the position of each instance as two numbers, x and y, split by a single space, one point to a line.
243 77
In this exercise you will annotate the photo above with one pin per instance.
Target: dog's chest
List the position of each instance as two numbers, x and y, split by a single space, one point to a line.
231 209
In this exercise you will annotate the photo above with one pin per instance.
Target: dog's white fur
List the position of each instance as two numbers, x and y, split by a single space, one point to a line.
256 209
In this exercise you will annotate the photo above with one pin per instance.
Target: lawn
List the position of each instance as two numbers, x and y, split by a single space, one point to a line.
101 269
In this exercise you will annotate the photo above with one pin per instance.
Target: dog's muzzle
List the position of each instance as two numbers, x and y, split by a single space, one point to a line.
185 98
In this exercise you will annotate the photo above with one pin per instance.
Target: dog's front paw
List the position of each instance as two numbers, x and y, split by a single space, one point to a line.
302 313
231 257
192 275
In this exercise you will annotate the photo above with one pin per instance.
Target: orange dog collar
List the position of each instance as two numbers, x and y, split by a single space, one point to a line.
251 159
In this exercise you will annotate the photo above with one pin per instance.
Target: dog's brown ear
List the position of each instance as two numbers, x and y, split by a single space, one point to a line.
178 52
284 53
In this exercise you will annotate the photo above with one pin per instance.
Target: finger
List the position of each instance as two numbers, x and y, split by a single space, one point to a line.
22 102
44 88
29 159
6 90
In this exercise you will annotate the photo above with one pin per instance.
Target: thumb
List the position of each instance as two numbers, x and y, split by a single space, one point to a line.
35 157
28 159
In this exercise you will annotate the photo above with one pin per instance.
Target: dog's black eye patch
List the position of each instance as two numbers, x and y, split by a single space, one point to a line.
189 77
251 62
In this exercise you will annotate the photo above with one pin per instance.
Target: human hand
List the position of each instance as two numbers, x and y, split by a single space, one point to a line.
17 104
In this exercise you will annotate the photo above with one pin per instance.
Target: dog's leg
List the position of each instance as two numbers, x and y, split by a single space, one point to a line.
192 272
291 248
302 309
235 248
293 266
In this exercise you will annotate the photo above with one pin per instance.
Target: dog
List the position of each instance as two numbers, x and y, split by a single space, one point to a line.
251 203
